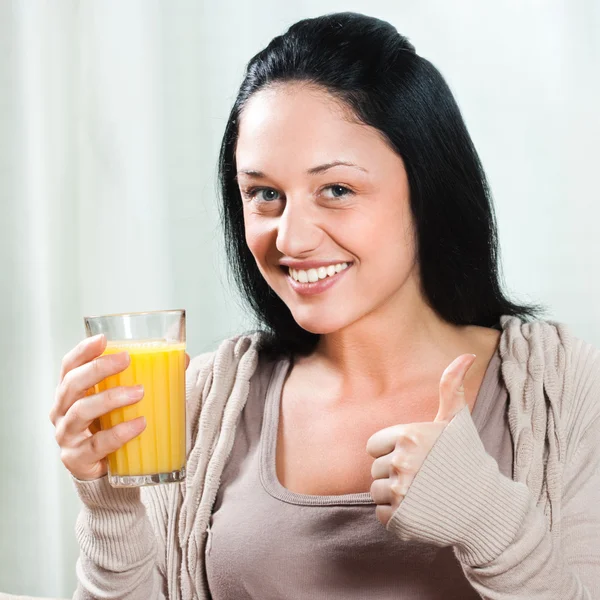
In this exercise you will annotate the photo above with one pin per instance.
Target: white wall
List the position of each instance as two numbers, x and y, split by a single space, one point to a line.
111 116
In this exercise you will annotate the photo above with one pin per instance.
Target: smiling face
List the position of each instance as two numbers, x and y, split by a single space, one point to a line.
334 241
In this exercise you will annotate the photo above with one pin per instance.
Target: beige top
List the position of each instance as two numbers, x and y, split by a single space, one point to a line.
533 536
305 546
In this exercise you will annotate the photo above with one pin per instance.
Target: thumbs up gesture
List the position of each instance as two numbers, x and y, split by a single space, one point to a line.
400 451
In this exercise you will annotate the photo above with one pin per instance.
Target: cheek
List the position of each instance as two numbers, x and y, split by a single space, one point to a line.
260 238
382 236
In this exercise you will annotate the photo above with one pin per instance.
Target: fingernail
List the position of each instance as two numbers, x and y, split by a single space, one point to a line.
135 392
95 338
137 425
123 357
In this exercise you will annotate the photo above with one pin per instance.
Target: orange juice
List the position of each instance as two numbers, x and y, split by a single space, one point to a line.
160 367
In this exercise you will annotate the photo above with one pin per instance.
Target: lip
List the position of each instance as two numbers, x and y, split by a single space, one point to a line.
318 287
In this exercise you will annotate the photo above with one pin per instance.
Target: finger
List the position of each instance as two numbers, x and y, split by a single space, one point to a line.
76 382
384 441
400 481
187 360
101 444
380 469
407 437
452 392
408 462
95 424
381 491
82 413
384 513
86 350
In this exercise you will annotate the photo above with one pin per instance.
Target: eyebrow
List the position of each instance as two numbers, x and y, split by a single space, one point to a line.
312 171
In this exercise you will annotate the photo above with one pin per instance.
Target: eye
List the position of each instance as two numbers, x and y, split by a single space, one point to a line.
264 194
338 191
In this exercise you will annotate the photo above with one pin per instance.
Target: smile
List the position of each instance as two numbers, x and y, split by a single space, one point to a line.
314 275
311 282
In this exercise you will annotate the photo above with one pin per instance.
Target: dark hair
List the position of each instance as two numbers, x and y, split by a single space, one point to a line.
366 64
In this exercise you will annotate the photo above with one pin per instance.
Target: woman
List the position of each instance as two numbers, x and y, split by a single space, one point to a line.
396 429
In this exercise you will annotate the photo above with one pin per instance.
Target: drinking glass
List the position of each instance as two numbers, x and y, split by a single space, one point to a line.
155 342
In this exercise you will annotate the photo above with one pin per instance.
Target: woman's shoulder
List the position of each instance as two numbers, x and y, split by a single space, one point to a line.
546 353
213 377
240 357
523 339
546 343
582 412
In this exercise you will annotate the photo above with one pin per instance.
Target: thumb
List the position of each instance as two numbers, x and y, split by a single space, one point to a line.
187 360
452 391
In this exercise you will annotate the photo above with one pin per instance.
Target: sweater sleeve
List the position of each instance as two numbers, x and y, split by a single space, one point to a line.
125 534
118 547
501 538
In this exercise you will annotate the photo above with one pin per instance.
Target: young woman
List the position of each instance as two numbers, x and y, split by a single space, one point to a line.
397 428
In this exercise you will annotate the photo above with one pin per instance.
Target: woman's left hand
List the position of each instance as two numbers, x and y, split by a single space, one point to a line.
400 451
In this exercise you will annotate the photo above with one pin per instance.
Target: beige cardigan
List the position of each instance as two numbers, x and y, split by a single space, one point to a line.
537 536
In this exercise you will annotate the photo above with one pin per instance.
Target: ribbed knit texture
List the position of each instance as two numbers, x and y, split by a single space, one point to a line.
434 509
534 537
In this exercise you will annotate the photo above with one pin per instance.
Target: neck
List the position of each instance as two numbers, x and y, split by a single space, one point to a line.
392 348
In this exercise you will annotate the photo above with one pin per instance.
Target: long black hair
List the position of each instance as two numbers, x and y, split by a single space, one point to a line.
366 64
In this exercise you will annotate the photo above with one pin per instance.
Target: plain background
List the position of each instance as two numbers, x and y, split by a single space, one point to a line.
111 117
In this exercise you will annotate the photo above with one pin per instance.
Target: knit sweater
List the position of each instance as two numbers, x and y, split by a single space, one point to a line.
535 536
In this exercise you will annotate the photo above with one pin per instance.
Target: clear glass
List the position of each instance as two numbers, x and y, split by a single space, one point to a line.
155 342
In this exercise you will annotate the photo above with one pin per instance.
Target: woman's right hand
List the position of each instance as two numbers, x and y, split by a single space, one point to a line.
83 447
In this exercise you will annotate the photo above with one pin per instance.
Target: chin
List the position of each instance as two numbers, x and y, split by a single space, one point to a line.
320 324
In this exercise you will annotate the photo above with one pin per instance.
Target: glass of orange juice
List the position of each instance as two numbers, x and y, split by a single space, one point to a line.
155 342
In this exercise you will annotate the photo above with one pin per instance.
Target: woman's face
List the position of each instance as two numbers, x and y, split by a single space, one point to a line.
334 241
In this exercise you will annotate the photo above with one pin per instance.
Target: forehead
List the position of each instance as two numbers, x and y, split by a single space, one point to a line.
300 122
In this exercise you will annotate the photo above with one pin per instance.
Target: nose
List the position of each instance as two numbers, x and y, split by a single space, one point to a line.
297 233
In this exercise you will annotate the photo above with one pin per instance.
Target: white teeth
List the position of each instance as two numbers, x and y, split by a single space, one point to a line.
313 275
